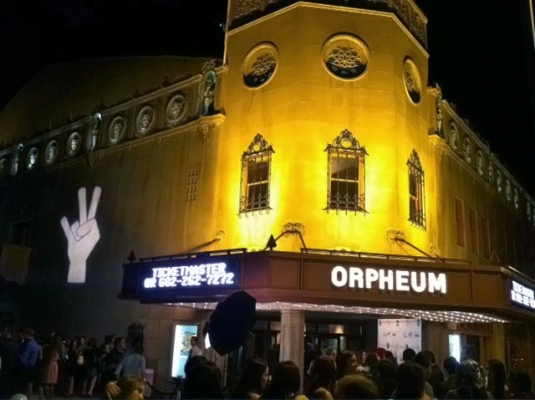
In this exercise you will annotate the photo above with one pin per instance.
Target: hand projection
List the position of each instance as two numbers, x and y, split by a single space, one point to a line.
82 235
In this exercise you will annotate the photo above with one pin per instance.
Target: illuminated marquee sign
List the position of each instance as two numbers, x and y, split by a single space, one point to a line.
522 295
198 275
389 279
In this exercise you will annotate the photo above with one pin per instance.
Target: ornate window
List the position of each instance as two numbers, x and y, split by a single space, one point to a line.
255 175
346 173
416 191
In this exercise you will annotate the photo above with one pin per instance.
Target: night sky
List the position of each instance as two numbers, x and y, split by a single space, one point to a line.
479 53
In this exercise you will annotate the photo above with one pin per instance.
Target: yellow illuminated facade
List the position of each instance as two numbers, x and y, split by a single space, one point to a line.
316 128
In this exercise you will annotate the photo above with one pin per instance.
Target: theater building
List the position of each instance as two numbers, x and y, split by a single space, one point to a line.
312 167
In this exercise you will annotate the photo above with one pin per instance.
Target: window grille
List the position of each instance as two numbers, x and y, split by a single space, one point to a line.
346 162
255 176
416 191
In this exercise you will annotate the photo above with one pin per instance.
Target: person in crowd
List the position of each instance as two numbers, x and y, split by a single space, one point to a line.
133 363
192 362
51 370
285 383
327 351
449 365
356 386
9 354
322 379
126 388
253 381
520 386
91 357
410 379
369 366
386 380
112 360
469 352
195 349
71 366
437 375
390 356
203 381
497 378
346 363
103 353
29 355
408 354
470 381
423 359
380 353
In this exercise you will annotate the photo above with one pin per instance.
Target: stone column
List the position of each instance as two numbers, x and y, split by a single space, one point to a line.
292 342
496 343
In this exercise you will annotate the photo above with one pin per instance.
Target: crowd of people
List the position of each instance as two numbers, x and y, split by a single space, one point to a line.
115 369
344 375
54 366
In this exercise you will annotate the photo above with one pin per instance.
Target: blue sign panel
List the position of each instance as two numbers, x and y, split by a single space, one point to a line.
186 276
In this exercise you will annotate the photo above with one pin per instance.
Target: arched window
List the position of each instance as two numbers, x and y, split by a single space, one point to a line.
416 191
255 175
346 173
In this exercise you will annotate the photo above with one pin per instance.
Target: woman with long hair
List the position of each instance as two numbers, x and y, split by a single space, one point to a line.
496 379
346 362
285 383
322 379
253 381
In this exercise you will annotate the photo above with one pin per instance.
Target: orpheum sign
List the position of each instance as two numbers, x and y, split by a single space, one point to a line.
394 280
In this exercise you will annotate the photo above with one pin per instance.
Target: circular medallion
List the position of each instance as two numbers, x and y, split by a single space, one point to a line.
259 65
145 120
516 199
480 163
412 80
454 136
176 109
508 194
467 150
499 181
31 158
117 130
4 167
51 152
345 56
74 143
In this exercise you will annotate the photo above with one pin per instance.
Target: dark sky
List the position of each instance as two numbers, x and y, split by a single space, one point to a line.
479 52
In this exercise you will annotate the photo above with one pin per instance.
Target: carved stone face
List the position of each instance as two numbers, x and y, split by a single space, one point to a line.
52 152
32 159
479 162
146 119
117 129
3 166
491 173
74 144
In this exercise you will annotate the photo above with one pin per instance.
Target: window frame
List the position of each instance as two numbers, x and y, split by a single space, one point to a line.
258 152
346 147
417 214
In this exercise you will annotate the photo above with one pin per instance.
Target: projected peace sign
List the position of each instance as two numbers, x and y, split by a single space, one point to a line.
82 235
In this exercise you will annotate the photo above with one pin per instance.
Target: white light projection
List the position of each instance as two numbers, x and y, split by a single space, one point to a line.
82 235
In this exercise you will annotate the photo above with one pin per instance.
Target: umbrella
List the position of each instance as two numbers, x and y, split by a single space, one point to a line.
231 321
